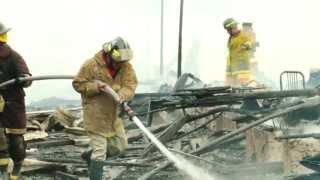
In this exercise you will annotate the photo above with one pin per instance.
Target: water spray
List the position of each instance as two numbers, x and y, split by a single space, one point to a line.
194 172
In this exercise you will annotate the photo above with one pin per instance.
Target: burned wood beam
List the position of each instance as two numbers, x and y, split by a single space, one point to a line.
47 112
127 164
210 112
75 130
148 175
32 165
135 147
59 175
151 95
35 135
298 136
231 141
104 163
311 102
50 143
200 127
136 134
203 91
63 160
266 95
189 100
154 158
169 133
185 105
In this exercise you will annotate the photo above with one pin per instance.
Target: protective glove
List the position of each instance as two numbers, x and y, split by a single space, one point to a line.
127 110
23 83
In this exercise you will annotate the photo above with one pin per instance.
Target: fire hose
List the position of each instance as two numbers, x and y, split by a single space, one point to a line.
34 78
107 89
125 107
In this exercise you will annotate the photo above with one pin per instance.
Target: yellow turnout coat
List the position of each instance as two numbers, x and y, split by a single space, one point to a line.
238 61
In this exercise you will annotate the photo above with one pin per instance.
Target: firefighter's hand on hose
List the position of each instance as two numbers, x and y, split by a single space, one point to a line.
101 85
23 83
121 99
127 110
105 88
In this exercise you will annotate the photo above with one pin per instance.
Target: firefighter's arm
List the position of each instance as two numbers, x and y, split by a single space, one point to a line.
83 83
247 45
21 70
128 83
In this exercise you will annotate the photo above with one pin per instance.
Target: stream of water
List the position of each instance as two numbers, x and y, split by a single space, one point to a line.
194 172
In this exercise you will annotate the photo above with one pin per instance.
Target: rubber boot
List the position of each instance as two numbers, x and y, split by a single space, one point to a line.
95 170
4 175
16 171
12 177
87 156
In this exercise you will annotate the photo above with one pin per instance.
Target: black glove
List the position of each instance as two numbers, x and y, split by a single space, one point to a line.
23 83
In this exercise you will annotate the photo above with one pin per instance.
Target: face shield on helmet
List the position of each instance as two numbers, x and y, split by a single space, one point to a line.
119 50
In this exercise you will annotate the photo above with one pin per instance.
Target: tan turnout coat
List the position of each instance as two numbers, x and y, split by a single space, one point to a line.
99 109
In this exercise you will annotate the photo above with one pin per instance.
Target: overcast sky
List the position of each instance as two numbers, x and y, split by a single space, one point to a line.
57 36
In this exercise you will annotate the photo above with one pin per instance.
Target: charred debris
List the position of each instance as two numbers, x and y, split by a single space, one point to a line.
229 131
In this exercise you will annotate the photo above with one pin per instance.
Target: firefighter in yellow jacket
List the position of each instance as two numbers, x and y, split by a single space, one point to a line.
240 52
110 66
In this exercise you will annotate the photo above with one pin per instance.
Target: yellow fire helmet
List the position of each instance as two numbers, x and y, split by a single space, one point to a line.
3 33
4 38
119 50
230 22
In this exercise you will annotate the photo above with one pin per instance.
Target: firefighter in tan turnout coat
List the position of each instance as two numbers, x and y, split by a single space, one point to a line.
111 67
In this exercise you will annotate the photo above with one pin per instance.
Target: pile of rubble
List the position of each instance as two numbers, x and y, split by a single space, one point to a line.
222 130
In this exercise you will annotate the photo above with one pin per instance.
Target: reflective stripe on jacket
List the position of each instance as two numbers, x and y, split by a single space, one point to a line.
240 53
